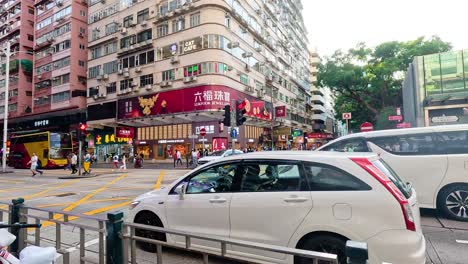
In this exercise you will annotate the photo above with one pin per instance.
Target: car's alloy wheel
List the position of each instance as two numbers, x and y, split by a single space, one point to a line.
325 244
456 203
150 220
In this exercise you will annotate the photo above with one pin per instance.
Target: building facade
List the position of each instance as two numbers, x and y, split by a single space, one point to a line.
435 90
17 27
166 69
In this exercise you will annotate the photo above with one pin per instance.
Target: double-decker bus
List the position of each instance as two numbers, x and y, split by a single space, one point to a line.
51 149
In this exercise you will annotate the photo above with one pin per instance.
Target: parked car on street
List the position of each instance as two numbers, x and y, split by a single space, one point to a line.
218 155
433 159
314 202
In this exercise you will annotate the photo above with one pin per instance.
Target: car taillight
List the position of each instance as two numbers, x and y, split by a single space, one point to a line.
390 186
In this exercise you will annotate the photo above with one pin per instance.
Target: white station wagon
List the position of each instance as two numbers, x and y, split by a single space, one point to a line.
313 201
433 159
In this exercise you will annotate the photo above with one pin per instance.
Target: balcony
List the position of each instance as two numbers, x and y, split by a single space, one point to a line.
319 108
318 98
314 61
320 117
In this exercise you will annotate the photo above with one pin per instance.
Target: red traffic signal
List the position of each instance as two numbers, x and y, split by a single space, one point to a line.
83 127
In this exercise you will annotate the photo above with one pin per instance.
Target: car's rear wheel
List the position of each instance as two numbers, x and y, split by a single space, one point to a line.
323 243
148 218
453 202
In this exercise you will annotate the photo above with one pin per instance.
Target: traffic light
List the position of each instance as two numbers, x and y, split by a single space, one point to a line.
227 115
240 112
83 127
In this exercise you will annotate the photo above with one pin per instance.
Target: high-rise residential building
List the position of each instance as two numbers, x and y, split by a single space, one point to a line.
159 72
17 27
435 90
60 59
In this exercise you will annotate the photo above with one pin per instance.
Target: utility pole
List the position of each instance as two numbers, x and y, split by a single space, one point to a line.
233 122
273 117
5 109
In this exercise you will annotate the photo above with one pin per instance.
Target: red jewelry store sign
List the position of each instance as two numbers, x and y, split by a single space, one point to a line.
125 132
206 97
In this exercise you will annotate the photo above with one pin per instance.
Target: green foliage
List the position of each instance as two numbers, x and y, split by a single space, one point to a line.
367 81
382 120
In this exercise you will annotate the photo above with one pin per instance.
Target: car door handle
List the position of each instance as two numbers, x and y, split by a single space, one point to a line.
295 199
218 200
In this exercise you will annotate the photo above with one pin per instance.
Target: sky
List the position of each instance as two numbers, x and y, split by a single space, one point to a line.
341 24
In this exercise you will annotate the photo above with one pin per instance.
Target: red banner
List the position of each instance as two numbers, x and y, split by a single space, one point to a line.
125 132
280 111
206 97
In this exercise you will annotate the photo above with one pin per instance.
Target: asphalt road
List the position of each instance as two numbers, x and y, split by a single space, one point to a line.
447 240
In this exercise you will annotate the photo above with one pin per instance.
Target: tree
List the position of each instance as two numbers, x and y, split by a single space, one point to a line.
368 80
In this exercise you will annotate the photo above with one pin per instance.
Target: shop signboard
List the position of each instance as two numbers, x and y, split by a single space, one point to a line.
200 98
320 136
124 132
109 138
297 133
280 111
280 131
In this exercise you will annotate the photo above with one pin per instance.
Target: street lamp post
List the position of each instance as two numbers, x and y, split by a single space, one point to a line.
5 111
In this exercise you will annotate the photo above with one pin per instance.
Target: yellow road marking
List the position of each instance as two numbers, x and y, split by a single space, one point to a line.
87 202
93 212
27 197
126 188
159 181
11 181
90 195
22 188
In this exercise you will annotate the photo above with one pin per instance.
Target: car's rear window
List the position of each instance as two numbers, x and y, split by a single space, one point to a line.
391 174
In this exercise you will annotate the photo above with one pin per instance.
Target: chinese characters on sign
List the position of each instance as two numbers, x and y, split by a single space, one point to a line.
211 98
104 139
209 129
125 132
44 122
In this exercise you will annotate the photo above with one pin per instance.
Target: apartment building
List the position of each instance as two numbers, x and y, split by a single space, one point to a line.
17 27
161 71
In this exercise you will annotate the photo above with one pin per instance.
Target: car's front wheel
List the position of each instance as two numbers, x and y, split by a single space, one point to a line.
150 219
324 243
453 202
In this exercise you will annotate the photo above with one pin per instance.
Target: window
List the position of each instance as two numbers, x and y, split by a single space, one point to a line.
178 24
216 179
142 15
244 78
348 145
144 35
162 30
111 88
327 178
30 37
192 70
168 75
12 107
146 80
128 21
81 63
31 11
227 21
126 84
111 28
82 13
419 144
110 67
94 71
59 80
60 97
404 188
453 142
271 176
195 19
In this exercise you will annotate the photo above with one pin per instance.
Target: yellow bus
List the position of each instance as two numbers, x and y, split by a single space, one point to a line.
51 149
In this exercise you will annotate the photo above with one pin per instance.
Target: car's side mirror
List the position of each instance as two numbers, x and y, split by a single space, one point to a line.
180 190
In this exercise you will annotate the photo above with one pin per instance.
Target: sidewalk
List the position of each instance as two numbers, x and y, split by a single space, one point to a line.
147 164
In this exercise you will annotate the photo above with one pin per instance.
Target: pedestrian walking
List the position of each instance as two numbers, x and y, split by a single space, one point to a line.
74 161
87 163
68 167
174 157
187 157
124 163
116 161
141 159
33 162
179 158
194 157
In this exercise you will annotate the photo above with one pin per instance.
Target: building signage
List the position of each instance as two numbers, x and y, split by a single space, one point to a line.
169 141
395 118
280 131
208 129
347 116
297 133
191 45
109 138
41 123
320 136
200 98
403 125
280 111
125 132
444 119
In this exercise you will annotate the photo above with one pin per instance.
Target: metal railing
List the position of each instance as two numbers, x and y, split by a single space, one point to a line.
130 239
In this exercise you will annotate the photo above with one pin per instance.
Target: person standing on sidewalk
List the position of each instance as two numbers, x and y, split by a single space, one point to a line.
124 162
194 157
179 158
174 156
33 162
116 161
74 161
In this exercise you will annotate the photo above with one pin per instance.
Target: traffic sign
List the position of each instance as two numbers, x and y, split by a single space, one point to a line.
366 126
202 132
193 136
395 118
346 116
234 133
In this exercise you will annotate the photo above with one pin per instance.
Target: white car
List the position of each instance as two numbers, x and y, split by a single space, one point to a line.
218 155
315 202
433 159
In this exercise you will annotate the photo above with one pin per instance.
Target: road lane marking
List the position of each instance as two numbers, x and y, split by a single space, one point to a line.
90 195
87 202
462 241
159 181
27 197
